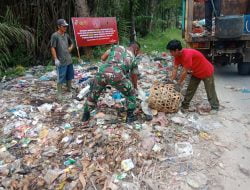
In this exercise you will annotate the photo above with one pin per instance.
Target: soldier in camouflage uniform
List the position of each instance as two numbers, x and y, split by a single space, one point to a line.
120 71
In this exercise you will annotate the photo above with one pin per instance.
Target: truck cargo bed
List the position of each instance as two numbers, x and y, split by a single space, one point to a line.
213 38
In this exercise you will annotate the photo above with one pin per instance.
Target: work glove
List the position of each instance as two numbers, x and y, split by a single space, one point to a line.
178 87
57 62
168 81
136 92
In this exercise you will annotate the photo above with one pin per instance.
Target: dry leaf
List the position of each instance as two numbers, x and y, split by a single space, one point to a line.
51 175
113 186
82 180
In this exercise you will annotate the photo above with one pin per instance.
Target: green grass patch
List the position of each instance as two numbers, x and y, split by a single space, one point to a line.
157 41
13 72
49 67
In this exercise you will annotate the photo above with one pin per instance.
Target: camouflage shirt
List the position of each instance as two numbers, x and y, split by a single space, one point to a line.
123 58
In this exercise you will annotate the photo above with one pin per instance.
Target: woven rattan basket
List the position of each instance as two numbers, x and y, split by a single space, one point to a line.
164 98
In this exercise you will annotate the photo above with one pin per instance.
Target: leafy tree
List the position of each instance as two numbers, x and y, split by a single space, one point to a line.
12 36
134 17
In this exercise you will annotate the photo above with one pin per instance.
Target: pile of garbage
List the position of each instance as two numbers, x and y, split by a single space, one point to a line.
44 144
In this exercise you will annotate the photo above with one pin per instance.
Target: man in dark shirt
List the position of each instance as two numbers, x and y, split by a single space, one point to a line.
212 8
61 46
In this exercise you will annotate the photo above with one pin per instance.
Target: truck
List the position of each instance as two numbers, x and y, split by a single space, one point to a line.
229 42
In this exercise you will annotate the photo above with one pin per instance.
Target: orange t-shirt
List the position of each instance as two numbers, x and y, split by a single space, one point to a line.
195 61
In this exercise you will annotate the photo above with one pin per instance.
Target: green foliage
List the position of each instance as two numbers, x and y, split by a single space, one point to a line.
75 60
123 29
19 70
20 56
12 37
150 16
169 4
98 51
157 41
13 72
49 67
118 9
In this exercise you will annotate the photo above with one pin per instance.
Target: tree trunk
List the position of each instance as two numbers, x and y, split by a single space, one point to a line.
132 31
83 10
152 11
168 18
177 25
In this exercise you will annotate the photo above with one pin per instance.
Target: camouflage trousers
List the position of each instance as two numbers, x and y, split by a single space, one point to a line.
113 76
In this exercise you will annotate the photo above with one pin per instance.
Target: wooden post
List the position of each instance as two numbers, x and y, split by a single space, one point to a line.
77 48
189 19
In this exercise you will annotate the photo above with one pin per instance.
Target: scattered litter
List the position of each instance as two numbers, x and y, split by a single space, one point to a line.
138 126
146 109
120 176
117 96
245 90
183 149
83 92
142 95
157 148
67 126
51 175
70 161
99 115
45 145
44 78
197 181
45 108
204 135
160 119
127 165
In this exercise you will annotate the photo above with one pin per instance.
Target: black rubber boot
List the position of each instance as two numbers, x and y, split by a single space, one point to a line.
69 85
131 117
86 116
86 113
148 117
59 91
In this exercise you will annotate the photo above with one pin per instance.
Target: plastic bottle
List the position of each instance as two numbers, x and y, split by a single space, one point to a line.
117 96
70 161
245 90
83 92
83 79
141 94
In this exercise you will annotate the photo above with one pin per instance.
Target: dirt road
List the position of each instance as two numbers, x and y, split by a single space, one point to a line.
233 172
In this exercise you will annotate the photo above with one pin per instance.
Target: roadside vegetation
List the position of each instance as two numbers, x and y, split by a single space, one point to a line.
154 42
157 41
26 27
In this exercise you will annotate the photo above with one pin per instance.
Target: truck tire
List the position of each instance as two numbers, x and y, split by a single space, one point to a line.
243 68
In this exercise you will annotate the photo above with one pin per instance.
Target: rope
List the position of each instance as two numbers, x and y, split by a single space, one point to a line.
215 12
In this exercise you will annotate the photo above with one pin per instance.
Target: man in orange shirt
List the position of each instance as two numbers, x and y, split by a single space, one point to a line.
195 62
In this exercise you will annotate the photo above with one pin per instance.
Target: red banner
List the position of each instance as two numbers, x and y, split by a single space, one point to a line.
92 31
